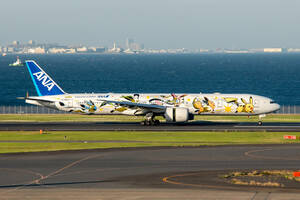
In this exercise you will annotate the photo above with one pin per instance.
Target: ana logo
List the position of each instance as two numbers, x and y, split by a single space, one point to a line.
41 76
103 96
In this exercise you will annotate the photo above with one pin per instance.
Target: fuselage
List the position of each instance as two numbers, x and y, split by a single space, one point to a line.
196 104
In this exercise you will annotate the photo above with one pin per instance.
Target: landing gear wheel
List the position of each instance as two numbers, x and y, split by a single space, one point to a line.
259 123
150 122
156 122
146 123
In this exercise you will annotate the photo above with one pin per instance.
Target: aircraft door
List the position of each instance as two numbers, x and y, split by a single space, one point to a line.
69 103
219 104
256 103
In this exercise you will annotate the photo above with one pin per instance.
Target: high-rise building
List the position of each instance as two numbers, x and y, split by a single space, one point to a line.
31 42
16 43
129 42
135 47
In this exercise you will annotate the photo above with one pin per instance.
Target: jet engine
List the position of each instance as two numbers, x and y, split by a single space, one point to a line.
177 114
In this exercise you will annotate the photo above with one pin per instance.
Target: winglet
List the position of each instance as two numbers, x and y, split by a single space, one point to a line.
43 83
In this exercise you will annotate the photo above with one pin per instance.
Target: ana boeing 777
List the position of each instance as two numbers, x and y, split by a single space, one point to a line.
175 108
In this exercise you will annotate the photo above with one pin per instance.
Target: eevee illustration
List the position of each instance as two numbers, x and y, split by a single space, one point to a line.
198 105
129 98
88 106
177 99
210 103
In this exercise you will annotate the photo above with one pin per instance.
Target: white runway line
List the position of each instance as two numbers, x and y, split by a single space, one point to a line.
268 126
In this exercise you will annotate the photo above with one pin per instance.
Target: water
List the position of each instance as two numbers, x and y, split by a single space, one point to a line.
272 75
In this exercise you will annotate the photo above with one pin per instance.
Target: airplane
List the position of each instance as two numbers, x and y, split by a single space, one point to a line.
175 108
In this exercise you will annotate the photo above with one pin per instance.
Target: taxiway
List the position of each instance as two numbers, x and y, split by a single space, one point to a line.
141 173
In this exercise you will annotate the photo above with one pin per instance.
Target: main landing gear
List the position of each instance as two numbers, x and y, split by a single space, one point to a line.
150 120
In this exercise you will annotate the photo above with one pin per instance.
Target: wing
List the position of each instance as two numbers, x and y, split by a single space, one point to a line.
153 107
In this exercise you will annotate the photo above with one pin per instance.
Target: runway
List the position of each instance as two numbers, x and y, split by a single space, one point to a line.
144 173
134 126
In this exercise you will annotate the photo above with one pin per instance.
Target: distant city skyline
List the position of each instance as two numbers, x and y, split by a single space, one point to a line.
191 24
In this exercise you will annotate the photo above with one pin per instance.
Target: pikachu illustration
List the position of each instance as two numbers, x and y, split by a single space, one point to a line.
231 100
247 107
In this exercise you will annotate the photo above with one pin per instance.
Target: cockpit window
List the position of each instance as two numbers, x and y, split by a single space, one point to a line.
272 101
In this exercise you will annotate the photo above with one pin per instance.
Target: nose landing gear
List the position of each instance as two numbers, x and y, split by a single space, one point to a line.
260 119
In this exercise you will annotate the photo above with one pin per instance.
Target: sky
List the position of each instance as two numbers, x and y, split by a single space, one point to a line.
191 24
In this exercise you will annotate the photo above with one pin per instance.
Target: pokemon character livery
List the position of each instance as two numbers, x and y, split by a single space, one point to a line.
175 108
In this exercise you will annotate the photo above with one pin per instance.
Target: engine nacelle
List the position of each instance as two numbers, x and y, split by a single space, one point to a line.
177 114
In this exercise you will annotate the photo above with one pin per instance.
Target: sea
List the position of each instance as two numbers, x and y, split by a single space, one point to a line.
273 75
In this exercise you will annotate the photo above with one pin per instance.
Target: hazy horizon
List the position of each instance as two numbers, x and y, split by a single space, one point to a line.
157 24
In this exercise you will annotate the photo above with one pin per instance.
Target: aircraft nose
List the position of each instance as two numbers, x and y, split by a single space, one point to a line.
276 107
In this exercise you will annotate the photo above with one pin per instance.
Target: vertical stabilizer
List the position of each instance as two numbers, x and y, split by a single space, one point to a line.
43 83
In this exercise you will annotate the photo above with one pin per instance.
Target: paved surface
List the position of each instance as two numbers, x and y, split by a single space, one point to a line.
123 126
146 173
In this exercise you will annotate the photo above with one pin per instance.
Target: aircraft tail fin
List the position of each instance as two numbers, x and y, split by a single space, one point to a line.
43 83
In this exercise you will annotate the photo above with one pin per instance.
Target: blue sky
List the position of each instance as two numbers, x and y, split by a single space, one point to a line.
156 23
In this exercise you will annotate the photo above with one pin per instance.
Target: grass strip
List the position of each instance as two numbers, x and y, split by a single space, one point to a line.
66 118
137 139
122 118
